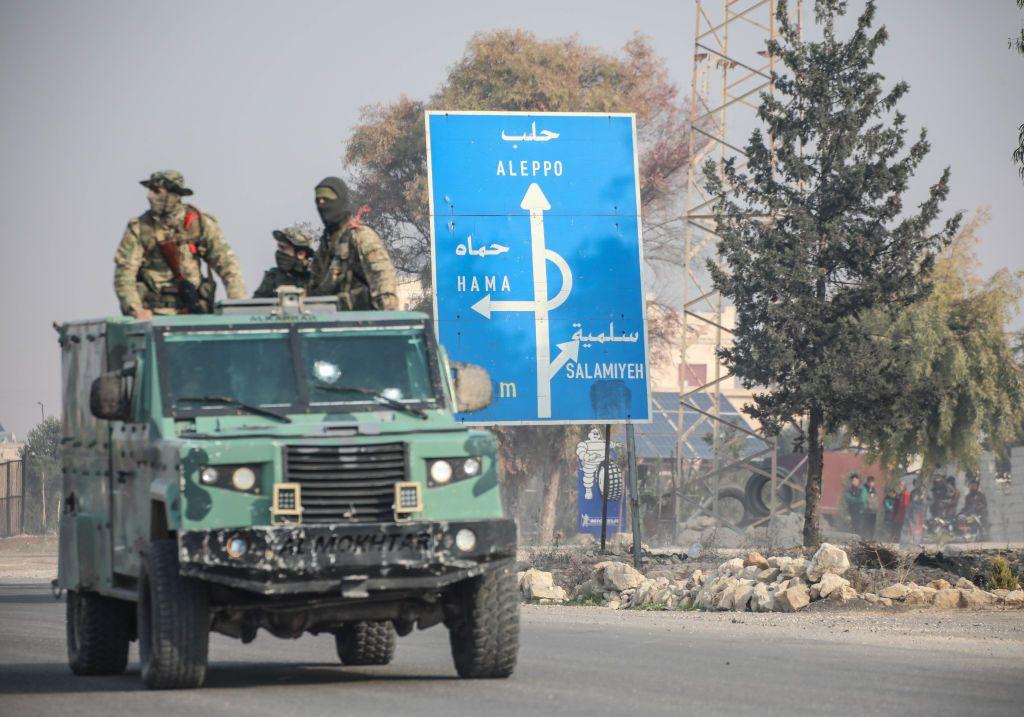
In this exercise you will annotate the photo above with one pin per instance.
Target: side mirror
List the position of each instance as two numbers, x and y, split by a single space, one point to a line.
472 387
110 397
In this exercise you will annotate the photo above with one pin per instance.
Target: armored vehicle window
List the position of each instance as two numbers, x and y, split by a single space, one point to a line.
391 364
250 368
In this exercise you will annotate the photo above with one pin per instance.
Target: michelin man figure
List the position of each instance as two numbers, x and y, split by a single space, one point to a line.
591 455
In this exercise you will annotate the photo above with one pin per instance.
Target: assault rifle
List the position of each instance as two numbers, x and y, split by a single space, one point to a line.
189 300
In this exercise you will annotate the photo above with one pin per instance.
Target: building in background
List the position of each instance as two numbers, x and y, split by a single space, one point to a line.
667 374
10 446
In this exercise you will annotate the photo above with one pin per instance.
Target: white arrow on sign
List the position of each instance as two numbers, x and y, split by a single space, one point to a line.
536 204
570 350
485 306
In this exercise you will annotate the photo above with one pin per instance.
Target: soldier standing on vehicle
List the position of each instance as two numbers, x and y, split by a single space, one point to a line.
158 263
294 256
351 262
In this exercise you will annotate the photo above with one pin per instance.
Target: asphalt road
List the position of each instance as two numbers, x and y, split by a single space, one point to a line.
574 661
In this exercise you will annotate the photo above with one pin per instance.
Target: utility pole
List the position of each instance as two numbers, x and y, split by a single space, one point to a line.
731 69
42 412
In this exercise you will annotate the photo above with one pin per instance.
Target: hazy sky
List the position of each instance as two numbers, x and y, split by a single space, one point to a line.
253 102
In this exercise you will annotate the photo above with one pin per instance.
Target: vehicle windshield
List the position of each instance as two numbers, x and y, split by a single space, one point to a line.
359 369
252 368
393 365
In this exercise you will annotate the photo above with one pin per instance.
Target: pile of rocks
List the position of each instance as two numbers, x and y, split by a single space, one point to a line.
942 594
756 584
539 586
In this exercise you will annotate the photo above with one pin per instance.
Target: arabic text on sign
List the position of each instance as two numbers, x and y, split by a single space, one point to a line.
545 135
467 248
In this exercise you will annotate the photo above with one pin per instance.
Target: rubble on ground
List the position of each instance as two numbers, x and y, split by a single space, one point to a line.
757 584
538 585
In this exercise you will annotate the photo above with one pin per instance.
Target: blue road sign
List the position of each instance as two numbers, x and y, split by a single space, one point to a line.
537 260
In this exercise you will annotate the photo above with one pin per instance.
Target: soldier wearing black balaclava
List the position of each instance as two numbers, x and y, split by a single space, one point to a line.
292 262
351 262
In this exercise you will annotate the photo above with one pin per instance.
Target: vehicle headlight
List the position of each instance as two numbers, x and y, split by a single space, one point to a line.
209 475
237 546
441 471
471 466
244 478
465 540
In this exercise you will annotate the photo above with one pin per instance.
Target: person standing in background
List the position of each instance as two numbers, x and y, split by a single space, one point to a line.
854 500
952 498
913 525
891 507
869 518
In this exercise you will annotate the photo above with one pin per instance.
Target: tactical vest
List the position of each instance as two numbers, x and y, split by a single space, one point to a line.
155 279
275 278
343 275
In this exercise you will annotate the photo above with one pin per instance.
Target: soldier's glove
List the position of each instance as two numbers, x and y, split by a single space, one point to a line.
188 297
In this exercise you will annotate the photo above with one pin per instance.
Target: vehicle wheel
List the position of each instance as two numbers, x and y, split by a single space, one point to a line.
732 506
99 630
758 494
174 622
615 482
367 642
484 634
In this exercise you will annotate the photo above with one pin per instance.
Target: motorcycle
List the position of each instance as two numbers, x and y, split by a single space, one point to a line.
939 528
969 529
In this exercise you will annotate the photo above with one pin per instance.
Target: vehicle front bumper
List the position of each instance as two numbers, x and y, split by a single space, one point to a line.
353 560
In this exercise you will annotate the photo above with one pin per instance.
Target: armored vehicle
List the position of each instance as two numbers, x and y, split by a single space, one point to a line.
277 465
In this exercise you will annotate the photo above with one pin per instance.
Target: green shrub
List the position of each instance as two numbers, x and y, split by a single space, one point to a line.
1002 577
586 601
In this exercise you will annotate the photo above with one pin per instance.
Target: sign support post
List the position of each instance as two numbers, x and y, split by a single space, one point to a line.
607 483
634 492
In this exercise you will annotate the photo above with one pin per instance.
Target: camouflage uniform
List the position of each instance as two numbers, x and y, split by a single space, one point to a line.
290 270
351 261
142 278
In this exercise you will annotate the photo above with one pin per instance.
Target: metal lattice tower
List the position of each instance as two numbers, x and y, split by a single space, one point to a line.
731 68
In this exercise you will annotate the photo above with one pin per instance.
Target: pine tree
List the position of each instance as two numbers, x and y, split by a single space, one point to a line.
815 240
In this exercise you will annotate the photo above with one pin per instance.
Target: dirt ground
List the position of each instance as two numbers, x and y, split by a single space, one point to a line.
28 557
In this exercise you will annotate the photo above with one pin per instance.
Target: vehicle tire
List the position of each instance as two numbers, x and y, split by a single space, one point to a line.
732 506
99 630
484 634
758 494
367 642
615 482
174 622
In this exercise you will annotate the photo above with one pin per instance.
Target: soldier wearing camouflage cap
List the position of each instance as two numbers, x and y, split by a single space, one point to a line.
351 262
294 256
158 265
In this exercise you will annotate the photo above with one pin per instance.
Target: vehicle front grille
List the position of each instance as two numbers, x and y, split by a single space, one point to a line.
346 484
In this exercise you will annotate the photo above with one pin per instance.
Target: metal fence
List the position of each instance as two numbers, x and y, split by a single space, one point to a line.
12 498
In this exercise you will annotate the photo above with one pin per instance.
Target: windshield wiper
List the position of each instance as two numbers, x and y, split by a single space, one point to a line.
228 401
377 396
